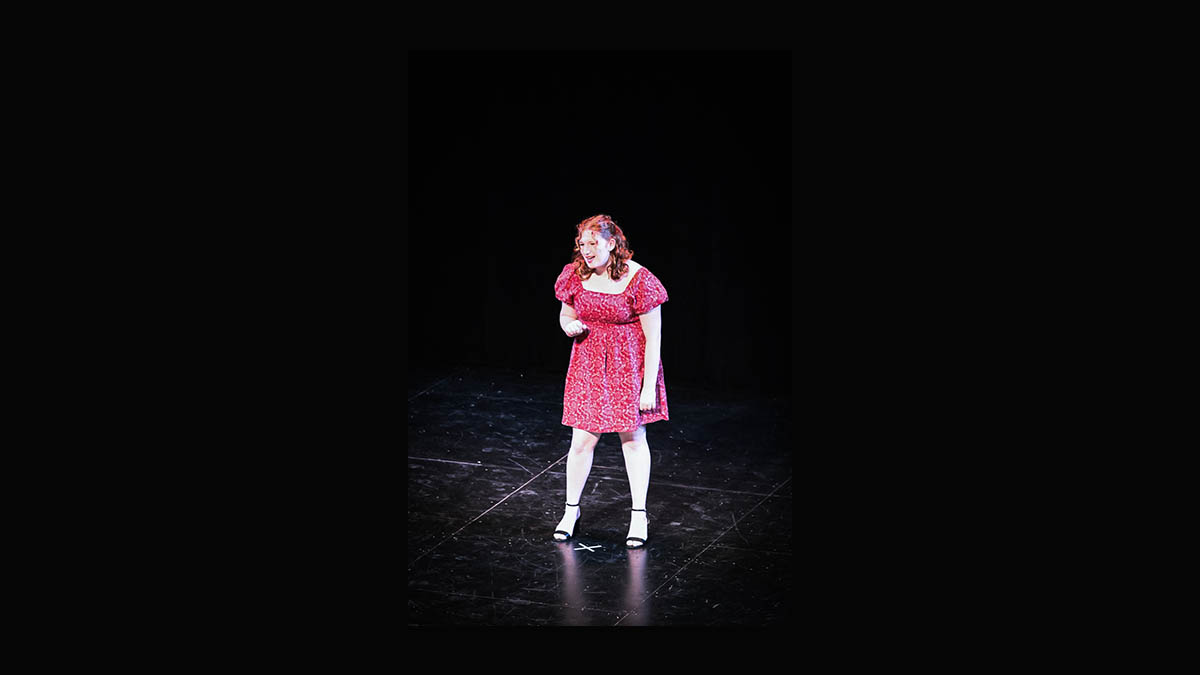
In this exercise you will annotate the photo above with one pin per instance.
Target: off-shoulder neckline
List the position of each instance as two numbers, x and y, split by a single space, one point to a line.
588 290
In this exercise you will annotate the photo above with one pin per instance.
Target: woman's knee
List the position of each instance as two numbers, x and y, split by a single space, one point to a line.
630 439
582 448
635 443
635 446
583 441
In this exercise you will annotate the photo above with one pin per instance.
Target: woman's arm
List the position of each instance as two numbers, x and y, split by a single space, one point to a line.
652 328
566 315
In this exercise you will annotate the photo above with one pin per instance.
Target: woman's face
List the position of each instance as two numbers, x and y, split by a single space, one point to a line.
596 249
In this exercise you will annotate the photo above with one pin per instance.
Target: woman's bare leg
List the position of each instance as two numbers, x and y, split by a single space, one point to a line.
579 465
637 465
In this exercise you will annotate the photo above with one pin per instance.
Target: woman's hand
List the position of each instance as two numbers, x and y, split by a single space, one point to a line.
648 399
574 328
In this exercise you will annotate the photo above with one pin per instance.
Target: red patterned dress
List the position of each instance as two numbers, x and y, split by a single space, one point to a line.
608 361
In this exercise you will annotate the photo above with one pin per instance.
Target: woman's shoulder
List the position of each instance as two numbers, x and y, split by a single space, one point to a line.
635 267
564 276
645 279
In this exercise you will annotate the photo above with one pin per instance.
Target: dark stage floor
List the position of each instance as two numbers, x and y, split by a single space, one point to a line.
486 480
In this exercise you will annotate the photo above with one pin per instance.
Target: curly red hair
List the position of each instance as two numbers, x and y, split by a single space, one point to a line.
606 227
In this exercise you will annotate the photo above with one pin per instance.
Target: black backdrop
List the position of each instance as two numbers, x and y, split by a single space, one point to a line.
690 152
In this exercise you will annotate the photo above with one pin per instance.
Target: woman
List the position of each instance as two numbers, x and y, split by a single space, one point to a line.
611 306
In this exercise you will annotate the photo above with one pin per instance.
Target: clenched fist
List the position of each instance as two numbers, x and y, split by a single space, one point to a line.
574 328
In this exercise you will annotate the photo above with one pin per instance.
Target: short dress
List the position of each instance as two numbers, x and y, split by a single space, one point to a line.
608 361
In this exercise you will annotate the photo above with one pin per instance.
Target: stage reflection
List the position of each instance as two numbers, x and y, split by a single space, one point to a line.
601 574
635 600
570 586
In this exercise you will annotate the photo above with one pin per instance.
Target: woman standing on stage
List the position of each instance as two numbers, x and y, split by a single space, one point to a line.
611 307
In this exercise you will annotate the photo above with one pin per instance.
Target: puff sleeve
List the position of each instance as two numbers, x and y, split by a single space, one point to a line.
564 286
649 293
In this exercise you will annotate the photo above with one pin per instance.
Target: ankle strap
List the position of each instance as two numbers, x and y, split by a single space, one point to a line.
572 505
637 509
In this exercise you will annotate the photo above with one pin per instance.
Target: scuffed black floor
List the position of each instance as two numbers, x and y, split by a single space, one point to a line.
486 474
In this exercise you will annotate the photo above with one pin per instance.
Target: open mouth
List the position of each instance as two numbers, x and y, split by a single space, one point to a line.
588 259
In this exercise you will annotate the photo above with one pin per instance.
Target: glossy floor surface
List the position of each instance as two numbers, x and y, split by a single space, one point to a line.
486 480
